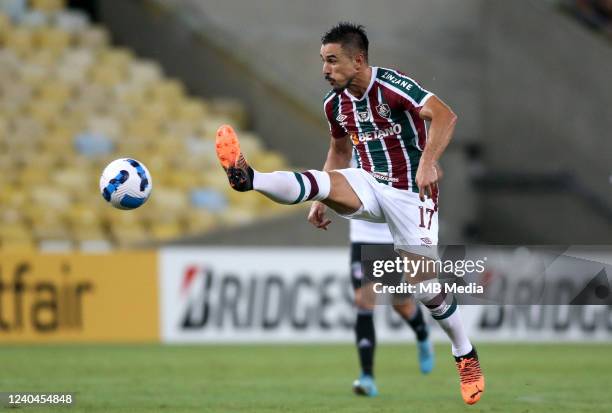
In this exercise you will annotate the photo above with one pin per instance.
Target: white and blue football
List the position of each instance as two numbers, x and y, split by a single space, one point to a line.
126 183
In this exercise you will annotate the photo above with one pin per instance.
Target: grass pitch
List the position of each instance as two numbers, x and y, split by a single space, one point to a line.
306 378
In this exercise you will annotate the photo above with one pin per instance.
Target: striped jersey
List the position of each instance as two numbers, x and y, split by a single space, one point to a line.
384 126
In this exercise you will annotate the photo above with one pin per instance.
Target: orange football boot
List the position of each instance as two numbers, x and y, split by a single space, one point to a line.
472 379
239 173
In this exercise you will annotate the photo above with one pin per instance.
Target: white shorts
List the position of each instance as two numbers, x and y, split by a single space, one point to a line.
413 223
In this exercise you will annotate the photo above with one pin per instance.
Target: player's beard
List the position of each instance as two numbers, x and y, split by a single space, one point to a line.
340 89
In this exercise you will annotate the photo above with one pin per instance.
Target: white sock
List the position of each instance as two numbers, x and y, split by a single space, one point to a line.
292 187
448 318
453 327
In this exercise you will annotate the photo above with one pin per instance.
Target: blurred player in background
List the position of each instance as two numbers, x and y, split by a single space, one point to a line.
368 233
381 113
363 233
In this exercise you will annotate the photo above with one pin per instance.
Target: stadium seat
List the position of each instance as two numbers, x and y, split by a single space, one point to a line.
55 91
170 91
144 72
192 111
146 129
48 5
166 231
13 197
71 21
269 161
45 112
200 220
89 233
53 198
229 109
107 76
116 57
20 40
94 38
105 125
5 26
128 236
16 94
79 57
34 19
170 199
15 9
53 40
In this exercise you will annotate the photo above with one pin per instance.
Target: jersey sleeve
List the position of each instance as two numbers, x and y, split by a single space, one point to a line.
415 95
335 129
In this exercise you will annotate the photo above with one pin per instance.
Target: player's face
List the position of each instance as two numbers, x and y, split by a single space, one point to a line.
339 67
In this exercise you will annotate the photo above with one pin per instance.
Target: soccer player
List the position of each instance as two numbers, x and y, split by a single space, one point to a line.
364 233
382 113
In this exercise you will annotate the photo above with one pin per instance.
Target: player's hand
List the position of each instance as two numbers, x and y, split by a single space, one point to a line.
427 178
439 170
317 217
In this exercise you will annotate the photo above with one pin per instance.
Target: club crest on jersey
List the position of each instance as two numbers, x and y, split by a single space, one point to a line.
383 110
363 116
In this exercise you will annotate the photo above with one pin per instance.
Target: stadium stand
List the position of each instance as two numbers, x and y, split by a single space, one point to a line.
70 102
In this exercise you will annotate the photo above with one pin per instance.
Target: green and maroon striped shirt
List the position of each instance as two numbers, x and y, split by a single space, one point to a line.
384 126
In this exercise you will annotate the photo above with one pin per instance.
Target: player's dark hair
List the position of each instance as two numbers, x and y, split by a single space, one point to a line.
351 36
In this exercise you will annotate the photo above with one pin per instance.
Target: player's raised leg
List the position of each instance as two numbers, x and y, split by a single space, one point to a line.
284 187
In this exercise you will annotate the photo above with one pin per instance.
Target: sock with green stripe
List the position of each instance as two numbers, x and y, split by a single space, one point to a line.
448 318
453 327
292 187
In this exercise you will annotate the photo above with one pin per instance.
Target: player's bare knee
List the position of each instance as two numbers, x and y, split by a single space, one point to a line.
425 268
342 198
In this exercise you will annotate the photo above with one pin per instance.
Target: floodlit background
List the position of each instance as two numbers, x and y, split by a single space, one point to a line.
85 82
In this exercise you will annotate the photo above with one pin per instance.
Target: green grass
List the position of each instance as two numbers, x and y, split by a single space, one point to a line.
306 378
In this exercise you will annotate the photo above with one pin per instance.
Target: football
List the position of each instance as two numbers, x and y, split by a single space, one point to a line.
126 183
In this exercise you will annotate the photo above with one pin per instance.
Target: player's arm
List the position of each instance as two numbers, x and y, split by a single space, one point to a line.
441 128
338 157
339 154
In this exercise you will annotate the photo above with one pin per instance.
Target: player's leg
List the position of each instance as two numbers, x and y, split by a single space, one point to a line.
365 334
284 187
365 340
445 312
414 226
412 314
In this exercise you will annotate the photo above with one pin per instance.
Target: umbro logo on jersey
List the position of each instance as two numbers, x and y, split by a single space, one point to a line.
363 116
383 110
341 117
